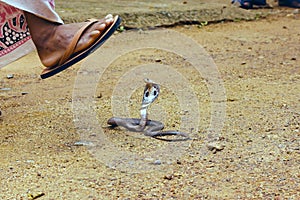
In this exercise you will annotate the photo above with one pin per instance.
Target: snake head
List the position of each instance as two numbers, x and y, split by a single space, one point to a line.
151 92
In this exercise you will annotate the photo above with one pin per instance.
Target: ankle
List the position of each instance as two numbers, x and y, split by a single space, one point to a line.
40 29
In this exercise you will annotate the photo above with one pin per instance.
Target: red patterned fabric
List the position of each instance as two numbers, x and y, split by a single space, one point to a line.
13 29
15 39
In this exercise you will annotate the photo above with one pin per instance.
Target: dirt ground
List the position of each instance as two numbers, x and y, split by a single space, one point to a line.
259 63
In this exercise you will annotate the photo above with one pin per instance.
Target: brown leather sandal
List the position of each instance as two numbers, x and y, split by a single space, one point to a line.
70 58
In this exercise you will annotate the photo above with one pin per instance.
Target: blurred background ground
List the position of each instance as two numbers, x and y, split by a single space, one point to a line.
141 14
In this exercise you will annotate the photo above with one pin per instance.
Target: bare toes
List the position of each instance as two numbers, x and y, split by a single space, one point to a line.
109 21
100 27
109 16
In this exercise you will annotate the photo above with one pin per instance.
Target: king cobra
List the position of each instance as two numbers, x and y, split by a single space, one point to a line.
148 127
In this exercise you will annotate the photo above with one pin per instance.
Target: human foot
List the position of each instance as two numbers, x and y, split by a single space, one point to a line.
52 39
70 56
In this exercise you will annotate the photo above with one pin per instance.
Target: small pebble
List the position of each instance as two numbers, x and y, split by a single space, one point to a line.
99 96
5 89
169 177
9 76
261 57
149 159
157 162
214 147
83 143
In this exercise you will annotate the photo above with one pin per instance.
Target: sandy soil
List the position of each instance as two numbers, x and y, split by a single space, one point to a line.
260 65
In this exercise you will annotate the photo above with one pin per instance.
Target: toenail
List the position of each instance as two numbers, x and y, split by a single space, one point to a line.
109 20
94 33
102 26
108 16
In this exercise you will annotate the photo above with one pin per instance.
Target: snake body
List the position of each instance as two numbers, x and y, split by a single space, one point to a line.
150 128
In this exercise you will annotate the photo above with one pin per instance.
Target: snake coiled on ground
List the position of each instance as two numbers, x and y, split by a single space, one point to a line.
149 127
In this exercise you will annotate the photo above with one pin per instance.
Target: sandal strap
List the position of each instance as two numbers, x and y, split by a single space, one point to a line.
71 47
